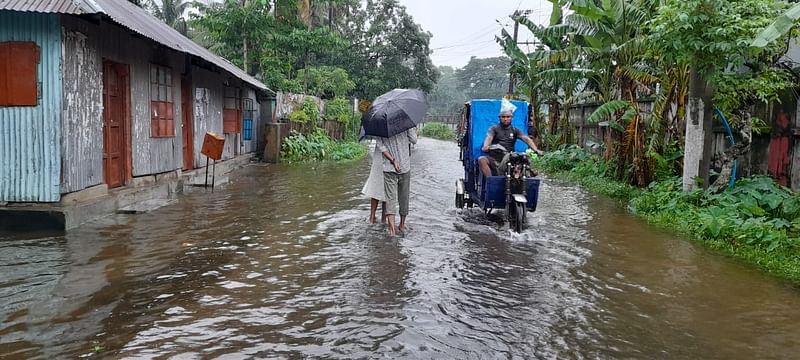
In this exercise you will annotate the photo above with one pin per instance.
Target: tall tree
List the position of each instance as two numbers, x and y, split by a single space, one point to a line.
448 95
388 50
484 78
231 25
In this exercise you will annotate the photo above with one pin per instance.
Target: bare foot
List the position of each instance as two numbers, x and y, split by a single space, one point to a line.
372 220
402 228
392 233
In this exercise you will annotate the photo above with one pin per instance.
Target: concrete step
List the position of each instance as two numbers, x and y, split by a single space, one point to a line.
146 206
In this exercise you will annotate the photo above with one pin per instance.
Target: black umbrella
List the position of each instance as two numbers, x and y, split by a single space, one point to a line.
394 112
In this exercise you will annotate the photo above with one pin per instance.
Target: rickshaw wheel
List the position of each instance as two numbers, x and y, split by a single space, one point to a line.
518 218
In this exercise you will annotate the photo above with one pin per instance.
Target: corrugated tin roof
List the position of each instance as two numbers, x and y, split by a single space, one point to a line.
135 19
43 6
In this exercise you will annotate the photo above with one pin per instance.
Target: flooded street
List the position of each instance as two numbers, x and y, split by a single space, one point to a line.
280 263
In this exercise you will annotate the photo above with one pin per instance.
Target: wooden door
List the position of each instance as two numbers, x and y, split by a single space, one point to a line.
116 120
186 125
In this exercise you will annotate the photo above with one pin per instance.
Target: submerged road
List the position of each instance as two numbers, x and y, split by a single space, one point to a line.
281 263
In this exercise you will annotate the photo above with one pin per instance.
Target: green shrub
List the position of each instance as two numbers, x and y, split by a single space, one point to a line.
299 116
338 109
311 109
317 146
438 131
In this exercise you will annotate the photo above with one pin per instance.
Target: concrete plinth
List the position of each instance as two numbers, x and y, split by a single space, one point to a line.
142 194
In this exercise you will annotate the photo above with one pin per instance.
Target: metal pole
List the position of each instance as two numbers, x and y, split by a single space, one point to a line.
206 183
213 174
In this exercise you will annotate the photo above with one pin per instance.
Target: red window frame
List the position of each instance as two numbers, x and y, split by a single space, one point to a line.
232 111
162 102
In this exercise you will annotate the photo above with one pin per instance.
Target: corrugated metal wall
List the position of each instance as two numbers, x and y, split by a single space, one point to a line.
208 101
81 146
150 155
29 136
87 45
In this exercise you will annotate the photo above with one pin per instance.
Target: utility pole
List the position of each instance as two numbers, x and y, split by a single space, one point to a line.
511 68
514 16
699 134
245 65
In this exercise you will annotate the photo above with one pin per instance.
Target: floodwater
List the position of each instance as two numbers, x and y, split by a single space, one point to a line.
281 263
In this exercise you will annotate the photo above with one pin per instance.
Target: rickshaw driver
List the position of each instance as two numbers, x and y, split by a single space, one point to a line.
506 136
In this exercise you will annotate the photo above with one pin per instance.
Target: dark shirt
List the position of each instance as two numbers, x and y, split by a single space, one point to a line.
505 136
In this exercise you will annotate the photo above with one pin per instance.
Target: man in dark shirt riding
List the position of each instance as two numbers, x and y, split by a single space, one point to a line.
505 135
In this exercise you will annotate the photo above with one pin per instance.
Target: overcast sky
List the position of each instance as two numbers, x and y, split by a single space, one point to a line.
464 28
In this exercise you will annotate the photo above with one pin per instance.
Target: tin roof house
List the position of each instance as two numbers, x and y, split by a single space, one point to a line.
96 93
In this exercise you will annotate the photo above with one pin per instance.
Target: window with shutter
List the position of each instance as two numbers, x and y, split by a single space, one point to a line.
18 81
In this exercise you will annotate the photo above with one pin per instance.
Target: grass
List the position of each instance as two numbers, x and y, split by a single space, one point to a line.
438 131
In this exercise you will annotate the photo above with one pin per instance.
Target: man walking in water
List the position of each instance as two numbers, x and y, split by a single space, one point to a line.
396 152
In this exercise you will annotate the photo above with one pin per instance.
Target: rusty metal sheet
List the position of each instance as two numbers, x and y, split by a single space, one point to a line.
142 22
81 164
778 162
45 6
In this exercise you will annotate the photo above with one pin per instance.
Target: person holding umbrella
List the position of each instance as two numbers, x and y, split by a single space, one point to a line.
392 118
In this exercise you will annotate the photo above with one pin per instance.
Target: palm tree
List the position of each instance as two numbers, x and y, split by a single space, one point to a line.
171 13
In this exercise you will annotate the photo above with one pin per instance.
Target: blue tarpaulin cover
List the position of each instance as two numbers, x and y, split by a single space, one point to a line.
484 114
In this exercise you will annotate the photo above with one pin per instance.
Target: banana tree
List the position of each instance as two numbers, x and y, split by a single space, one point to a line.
543 81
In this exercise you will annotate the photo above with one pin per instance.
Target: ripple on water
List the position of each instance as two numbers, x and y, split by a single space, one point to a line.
260 270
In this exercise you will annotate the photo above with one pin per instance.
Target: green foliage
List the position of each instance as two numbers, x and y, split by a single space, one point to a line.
565 158
317 146
711 34
299 116
575 164
438 131
609 111
366 48
777 29
715 36
311 109
448 95
170 12
338 109
327 82
389 50
484 78
756 213
225 27
735 91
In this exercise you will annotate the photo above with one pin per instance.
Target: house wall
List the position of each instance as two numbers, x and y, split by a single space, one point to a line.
208 95
209 92
29 136
82 118
87 45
